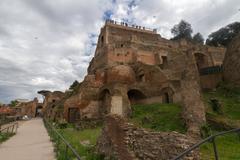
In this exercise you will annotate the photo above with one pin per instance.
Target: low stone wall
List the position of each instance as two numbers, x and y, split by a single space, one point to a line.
124 141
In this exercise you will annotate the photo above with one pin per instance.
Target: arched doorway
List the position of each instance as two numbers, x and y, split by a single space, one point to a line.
135 96
73 115
167 95
105 102
38 112
201 60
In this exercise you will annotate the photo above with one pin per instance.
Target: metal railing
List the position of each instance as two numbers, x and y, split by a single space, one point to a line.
211 70
129 25
59 140
213 153
11 128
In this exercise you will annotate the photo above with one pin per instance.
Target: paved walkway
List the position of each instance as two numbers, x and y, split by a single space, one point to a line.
30 143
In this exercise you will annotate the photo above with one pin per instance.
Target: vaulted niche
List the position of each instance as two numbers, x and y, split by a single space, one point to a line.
201 60
167 95
135 96
164 62
105 100
73 115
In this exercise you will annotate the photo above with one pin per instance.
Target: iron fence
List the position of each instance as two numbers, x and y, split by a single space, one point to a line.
62 146
211 70
11 128
221 146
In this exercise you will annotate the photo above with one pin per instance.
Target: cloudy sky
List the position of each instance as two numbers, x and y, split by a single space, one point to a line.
47 44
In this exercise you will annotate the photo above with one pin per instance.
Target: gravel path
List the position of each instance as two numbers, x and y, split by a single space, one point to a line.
30 143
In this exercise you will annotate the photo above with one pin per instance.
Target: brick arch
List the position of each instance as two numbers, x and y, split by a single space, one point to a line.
135 96
201 60
104 101
167 95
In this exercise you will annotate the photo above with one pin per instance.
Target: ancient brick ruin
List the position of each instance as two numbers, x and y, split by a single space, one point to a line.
30 108
232 62
123 140
135 65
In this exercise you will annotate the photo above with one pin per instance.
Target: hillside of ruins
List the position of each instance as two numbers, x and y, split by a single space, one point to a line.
143 97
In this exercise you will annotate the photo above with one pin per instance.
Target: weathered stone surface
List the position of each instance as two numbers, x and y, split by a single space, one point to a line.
232 62
50 101
138 66
123 140
28 108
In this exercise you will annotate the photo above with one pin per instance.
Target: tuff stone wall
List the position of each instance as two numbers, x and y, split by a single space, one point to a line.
51 99
28 108
124 141
183 67
231 63
210 81
133 65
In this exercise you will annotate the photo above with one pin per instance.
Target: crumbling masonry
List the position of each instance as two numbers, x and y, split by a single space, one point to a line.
134 65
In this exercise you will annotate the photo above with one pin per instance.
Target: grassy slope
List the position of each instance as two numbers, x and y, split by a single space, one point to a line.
230 100
75 138
228 146
158 117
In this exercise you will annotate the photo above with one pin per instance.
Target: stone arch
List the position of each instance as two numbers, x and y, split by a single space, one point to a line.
167 95
38 111
105 101
201 60
135 96
73 114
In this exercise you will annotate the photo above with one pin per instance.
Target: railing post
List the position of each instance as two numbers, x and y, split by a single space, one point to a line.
66 152
13 127
16 127
215 148
7 129
57 143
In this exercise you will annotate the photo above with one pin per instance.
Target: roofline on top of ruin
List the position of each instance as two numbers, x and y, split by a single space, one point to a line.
133 27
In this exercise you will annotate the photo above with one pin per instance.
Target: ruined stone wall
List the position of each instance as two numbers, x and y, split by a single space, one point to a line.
124 141
128 59
29 108
232 62
210 81
85 100
183 67
217 54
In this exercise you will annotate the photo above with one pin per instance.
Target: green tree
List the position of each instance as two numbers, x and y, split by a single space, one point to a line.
224 35
198 38
13 103
182 30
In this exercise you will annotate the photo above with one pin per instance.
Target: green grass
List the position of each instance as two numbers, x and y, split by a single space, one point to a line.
159 117
75 138
228 146
229 97
5 136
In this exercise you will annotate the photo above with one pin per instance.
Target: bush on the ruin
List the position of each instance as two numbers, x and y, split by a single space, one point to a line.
216 105
205 131
62 124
